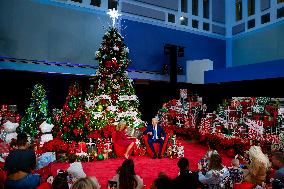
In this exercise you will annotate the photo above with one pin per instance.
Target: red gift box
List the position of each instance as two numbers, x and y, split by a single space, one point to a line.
4 107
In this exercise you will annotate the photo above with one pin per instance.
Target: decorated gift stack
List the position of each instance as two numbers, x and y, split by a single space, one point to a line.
112 96
182 112
247 118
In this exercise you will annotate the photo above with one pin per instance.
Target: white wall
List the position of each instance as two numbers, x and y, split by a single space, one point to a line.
195 70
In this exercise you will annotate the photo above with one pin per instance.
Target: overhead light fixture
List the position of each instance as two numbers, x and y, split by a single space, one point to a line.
181 18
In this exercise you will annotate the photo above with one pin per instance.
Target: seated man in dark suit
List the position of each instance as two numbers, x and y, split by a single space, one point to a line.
156 134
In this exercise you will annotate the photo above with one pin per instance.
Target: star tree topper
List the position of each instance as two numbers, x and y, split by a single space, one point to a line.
113 15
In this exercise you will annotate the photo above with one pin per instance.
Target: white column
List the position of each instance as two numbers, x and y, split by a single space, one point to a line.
245 12
179 14
104 4
273 10
229 20
200 11
229 16
257 13
210 15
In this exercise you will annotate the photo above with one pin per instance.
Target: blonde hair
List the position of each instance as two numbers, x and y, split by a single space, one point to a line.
85 183
256 155
121 125
235 162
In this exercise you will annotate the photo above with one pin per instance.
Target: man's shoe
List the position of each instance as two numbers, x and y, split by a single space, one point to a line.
159 156
154 157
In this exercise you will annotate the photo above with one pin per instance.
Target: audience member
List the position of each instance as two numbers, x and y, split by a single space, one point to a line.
122 139
278 163
76 169
162 182
204 162
84 183
258 167
126 177
236 173
185 179
19 165
60 181
217 175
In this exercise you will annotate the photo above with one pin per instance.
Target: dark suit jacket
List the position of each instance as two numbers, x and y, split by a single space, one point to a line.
186 181
160 131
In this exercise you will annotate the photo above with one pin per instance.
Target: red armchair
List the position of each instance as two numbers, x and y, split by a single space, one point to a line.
119 150
156 145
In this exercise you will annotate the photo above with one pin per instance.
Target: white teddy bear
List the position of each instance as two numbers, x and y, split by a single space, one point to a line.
46 132
10 129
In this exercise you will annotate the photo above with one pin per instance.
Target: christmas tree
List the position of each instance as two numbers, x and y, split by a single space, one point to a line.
36 113
74 119
112 97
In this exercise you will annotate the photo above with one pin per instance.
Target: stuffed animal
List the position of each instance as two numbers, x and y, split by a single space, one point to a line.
9 131
46 132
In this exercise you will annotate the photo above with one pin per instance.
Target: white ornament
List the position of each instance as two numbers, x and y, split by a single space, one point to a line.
115 48
97 53
126 50
112 108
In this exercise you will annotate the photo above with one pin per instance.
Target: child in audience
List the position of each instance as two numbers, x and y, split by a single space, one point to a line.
236 173
204 162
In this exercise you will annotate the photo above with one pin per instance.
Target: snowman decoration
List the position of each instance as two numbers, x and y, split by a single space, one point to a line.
9 131
46 132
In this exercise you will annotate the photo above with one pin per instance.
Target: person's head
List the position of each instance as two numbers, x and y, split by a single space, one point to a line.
60 181
277 159
155 121
256 155
183 164
72 158
22 139
211 145
84 183
121 125
126 175
162 182
235 163
215 162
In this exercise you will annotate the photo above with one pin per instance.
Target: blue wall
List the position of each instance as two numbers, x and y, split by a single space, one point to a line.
260 46
146 43
31 30
271 69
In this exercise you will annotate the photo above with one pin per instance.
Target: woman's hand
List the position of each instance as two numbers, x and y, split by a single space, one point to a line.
199 166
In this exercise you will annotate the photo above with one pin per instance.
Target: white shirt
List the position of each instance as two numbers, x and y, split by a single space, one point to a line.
156 132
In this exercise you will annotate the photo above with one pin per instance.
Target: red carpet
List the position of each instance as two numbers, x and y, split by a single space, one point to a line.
147 168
